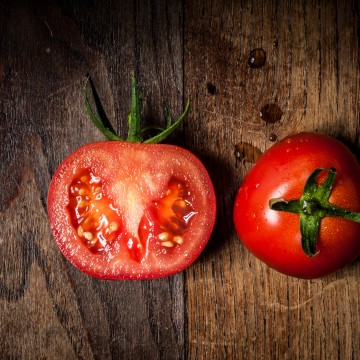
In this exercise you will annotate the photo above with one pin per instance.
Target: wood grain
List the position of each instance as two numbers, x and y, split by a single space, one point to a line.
227 305
239 308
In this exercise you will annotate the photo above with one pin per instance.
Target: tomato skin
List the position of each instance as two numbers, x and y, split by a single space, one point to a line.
133 176
274 237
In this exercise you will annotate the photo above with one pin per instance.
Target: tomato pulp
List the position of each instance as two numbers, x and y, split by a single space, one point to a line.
282 172
122 210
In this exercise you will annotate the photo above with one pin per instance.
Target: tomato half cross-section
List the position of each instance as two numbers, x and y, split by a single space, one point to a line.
298 207
131 210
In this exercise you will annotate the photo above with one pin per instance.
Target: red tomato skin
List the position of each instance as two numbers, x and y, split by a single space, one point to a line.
274 237
145 167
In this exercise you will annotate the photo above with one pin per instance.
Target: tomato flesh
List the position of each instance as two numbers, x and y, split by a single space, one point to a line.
117 214
99 224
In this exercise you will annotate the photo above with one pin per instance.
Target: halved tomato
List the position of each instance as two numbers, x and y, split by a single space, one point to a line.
120 210
129 210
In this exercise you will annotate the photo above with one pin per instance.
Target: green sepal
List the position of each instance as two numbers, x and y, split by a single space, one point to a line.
136 132
170 128
309 227
101 122
313 206
321 192
280 204
134 118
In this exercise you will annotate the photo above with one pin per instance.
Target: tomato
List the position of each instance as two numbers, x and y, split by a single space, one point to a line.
314 178
121 210
128 210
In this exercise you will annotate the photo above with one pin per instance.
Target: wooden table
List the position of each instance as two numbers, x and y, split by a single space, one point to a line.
227 305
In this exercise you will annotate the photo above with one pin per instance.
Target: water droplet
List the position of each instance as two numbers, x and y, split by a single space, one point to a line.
211 88
271 113
238 154
246 152
272 137
257 58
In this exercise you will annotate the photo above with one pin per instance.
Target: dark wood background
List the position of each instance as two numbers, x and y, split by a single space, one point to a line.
227 305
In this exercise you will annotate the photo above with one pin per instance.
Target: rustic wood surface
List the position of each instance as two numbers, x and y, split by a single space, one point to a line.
227 305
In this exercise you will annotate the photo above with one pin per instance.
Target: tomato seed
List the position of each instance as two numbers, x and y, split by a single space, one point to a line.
178 239
83 192
80 231
164 236
92 242
180 208
113 226
180 203
168 244
88 235
82 204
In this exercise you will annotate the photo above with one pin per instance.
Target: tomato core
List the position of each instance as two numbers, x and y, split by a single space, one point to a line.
100 225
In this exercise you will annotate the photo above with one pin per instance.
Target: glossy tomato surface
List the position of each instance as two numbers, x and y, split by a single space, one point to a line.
281 172
122 210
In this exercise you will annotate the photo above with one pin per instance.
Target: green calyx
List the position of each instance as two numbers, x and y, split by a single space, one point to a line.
312 207
136 132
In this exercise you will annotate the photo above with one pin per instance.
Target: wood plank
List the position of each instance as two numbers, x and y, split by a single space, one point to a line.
239 308
227 305
49 309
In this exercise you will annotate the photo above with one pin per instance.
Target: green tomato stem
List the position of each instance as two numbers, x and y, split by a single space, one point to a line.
134 119
135 133
170 128
100 121
313 206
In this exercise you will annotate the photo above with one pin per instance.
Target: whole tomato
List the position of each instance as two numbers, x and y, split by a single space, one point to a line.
297 208
131 209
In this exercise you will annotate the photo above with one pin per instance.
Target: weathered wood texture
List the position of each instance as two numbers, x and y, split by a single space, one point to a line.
227 305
